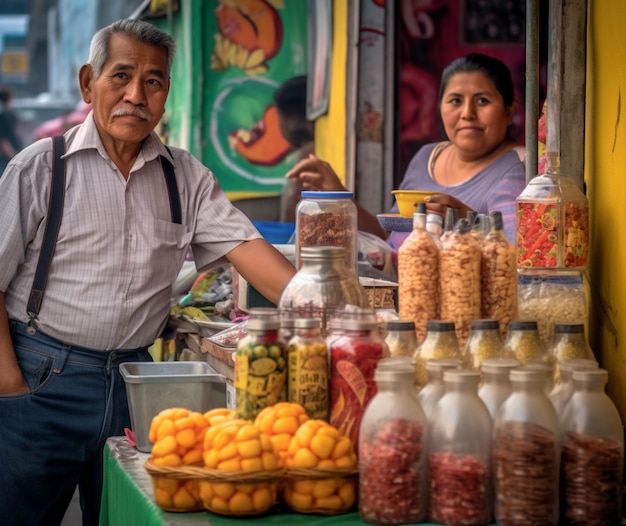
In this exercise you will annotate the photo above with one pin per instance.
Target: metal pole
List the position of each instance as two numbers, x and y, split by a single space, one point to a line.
532 88
553 121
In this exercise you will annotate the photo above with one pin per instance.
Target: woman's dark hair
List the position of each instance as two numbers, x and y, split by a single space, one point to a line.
494 69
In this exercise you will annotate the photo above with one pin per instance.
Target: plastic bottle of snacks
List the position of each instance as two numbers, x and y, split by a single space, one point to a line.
498 275
459 271
496 385
592 458
434 226
459 454
307 365
401 339
526 453
321 287
434 389
523 343
452 216
353 359
484 342
260 368
327 219
563 390
440 341
418 275
570 342
392 451
552 222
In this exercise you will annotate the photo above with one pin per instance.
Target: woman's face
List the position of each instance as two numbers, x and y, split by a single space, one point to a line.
473 113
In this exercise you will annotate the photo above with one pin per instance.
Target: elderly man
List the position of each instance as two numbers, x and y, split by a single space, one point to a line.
125 229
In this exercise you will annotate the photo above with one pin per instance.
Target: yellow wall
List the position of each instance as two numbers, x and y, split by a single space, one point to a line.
605 174
330 129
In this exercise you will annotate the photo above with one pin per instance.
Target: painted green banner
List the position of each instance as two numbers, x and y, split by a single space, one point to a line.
251 48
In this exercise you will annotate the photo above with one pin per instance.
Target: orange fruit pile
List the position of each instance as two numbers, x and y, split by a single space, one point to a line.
280 422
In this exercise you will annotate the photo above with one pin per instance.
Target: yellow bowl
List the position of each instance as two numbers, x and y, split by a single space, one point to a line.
408 200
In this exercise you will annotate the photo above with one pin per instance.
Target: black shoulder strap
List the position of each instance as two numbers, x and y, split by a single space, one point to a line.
53 223
172 189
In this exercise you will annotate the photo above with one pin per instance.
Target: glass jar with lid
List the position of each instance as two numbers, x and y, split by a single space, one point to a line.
459 454
434 389
353 358
570 342
321 287
401 338
496 385
307 365
392 450
327 219
484 342
592 461
260 367
523 342
564 388
526 453
552 222
440 341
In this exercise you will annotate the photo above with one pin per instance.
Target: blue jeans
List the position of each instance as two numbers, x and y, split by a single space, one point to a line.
52 438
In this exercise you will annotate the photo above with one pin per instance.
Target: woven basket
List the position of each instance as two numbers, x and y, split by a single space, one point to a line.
324 491
254 492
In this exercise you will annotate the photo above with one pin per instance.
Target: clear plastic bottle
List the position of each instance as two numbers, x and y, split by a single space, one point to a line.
401 338
498 275
260 367
452 216
434 226
418 275
434 389
459 454
392 451
563 390
552 222
523 342
353 359
569 342
459 271
321 287
440 342
307 366
592 461
526 453
484 342
496 385
327 219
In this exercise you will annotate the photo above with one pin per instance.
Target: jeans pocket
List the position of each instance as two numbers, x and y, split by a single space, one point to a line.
36 366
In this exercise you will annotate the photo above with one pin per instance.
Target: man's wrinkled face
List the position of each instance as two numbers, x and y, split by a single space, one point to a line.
129 96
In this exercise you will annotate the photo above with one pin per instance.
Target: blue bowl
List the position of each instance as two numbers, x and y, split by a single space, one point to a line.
274 232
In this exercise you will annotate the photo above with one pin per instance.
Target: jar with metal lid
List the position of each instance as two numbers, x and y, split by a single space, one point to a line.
592 461
353 359
498 275
526 453
327 219
401 339
418 275
570 342
459 454
439 342
392 450
321 287
564 388
484 342
260 368
307 366
434 389
496 385
523 342
552 222
459 271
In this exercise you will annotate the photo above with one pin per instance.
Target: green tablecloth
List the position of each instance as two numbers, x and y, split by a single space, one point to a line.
127 499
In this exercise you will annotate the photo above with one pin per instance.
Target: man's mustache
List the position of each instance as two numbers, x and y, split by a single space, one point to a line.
133 112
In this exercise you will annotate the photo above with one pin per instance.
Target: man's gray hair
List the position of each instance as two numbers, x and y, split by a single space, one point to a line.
139 30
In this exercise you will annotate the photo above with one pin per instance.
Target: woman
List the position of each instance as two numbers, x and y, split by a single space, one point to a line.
478 168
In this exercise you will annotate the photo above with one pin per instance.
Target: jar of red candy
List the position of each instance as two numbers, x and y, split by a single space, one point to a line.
552 222
459 454
392 450
354 355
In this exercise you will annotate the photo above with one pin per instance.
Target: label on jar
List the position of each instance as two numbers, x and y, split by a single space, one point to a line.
308 379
